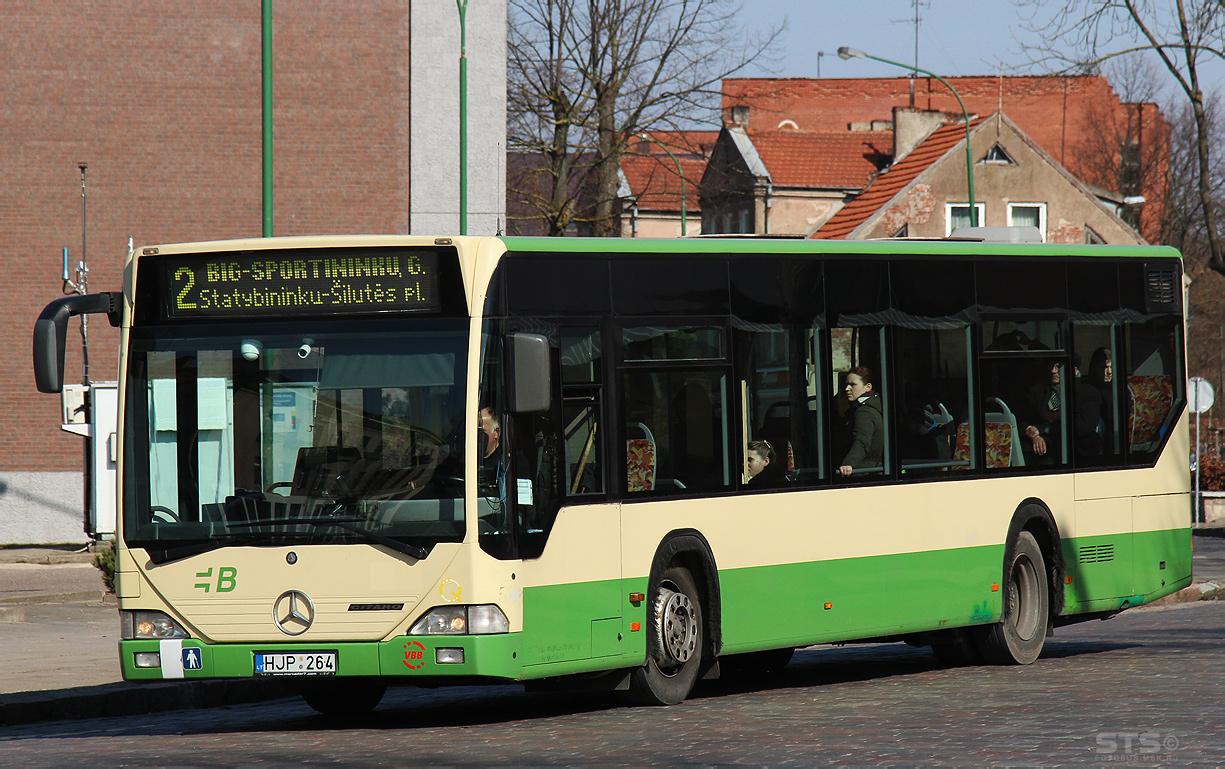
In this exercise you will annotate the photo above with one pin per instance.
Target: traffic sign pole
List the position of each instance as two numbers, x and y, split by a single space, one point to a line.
1202 397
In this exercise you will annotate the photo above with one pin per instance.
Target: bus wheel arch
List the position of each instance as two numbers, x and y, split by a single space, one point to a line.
1034 516
683 588
1032 582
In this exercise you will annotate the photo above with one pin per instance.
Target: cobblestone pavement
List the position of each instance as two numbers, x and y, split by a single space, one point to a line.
1142 689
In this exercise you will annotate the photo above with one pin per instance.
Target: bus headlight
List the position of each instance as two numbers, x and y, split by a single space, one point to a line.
482 619
145 625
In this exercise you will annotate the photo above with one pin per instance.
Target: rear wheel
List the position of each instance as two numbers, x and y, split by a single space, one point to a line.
675 624
1018 638
345 696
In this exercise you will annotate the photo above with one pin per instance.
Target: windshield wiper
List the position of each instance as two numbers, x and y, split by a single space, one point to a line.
403 547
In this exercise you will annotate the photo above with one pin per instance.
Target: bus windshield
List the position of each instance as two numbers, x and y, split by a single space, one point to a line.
295 433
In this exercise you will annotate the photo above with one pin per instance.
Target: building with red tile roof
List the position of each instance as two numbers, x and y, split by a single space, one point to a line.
1078 120
652 189
924 192
786 182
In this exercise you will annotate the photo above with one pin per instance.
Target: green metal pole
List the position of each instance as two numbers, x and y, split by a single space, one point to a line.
679 173
462 5
964 113
266 28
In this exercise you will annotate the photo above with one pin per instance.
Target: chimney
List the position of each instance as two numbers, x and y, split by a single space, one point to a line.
740 115
911 126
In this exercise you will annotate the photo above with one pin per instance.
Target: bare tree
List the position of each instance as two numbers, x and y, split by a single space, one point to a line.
1082 34
1184 226
587 76
1128 153
547 109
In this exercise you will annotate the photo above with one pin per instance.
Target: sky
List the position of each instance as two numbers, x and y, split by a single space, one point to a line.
955 37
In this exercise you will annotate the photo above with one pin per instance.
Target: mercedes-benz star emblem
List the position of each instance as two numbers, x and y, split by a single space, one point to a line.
293 612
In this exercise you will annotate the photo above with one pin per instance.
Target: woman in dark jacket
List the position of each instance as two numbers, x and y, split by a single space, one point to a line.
865 422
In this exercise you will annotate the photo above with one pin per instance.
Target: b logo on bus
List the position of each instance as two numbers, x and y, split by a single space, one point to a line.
227 579
414 658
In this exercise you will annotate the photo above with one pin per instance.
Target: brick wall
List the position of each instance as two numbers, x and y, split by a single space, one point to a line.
162 99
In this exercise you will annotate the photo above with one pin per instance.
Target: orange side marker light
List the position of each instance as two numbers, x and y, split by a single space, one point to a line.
635 627
829 606
995 588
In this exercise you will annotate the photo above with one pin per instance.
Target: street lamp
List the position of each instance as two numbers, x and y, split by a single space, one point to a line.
847 53
266 106
462 5
679 173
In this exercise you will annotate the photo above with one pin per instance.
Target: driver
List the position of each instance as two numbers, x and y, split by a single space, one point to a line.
489 442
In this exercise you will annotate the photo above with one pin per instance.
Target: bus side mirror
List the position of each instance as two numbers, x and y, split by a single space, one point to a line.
531 382
51 329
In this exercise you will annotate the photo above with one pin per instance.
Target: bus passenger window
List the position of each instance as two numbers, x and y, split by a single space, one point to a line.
1096 438
1153 384
933 383
780 392
583 471
677 423
1025 413
582 380
857 414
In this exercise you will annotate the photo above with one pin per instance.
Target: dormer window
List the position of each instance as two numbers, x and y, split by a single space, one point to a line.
997 156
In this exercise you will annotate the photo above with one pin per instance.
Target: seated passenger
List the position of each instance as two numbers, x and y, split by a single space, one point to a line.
1039 415
764 471
865 422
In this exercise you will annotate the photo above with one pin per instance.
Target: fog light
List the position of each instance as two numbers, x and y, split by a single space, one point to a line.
148 659
449 656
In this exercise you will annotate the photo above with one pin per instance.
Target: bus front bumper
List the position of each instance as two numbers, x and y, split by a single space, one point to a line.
409 657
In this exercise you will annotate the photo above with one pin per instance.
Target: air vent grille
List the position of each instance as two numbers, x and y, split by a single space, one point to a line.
1161 288
1096 553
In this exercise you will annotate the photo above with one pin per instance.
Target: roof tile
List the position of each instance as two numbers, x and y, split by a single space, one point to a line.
893 180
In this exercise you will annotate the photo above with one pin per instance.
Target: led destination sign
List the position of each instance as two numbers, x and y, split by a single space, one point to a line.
301 283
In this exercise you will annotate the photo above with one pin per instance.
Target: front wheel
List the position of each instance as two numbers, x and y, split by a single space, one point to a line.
675 649
1018 638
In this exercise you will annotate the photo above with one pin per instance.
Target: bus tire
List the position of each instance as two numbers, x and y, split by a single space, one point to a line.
344 696
675 644
1018 638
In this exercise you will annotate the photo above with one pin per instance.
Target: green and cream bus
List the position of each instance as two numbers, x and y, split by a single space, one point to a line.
398 459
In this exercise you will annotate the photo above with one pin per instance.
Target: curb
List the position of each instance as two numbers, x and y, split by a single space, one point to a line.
81 596
127 699
1199 591
41 557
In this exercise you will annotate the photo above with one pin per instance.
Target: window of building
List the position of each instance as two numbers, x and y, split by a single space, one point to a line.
1028 215
958 215
998 156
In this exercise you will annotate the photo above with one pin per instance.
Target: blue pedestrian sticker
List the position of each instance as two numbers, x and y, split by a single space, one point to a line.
192 659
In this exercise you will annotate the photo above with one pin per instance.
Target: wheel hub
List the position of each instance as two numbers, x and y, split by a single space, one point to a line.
677 625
